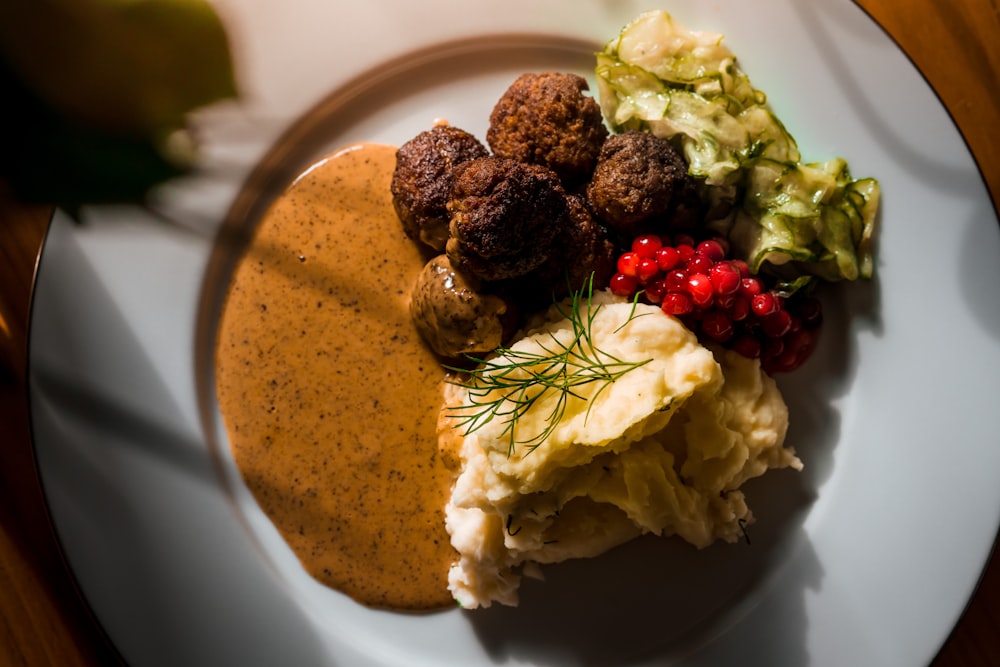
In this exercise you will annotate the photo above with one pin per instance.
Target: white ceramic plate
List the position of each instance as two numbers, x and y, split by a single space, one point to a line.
866 558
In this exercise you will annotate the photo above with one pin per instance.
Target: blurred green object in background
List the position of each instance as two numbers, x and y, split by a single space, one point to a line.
96 94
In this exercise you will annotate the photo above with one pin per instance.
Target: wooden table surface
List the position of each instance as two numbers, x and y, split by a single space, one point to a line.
42 619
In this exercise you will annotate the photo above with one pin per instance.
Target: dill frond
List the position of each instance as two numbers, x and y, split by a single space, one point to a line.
510 384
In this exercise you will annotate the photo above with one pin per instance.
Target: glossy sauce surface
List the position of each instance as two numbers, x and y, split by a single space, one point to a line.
329 396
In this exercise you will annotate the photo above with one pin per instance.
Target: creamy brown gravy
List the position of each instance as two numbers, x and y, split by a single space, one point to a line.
329 397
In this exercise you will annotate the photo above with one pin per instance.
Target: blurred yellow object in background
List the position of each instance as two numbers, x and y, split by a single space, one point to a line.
96 90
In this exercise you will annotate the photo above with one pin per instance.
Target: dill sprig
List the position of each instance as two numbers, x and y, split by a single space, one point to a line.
511 383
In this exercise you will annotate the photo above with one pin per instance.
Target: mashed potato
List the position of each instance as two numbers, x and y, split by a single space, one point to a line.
663 449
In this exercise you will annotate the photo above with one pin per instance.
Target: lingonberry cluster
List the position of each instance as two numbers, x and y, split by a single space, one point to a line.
719 299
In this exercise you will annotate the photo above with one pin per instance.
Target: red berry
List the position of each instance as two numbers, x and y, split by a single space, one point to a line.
776 324
748 346
740 309
627 263
725 278
742 267
667 257
700 264
623 285
700 287
797 348
684 239
655 291
807 344
717 326
646 270
711 249
802 341
677 280
685 251
677 303
724 301
764 304
646 245
750 287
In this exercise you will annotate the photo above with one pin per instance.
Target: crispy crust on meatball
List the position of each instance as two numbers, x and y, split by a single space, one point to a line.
582 251
638 182
546 119
505 216
421 181
589 250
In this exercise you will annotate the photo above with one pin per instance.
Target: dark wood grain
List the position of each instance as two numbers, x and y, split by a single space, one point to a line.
44 622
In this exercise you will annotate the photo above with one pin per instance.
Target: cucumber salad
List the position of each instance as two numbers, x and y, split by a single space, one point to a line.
799 222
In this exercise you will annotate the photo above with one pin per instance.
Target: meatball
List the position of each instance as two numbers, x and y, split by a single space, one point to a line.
584 250
546 119
505 216
589 251
452 314
689 211
638 182
422 180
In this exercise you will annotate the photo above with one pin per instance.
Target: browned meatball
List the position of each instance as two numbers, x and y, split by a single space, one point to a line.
505 216
546 119
454 315
582 251
422 180
689 211
638 182
589 251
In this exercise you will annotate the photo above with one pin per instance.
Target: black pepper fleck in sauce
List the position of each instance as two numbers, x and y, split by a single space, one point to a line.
329 397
